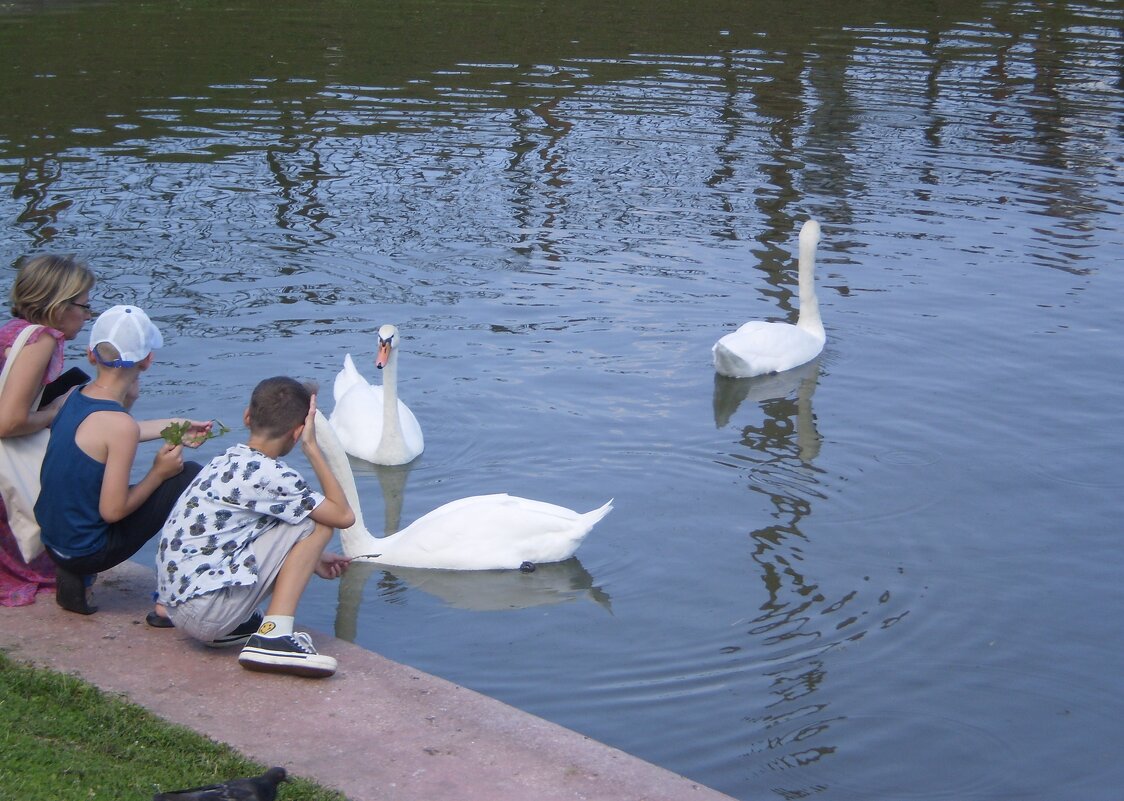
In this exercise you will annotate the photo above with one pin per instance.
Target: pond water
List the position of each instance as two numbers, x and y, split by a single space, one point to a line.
890 574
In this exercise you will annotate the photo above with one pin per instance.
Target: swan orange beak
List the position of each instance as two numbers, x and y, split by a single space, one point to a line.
384 353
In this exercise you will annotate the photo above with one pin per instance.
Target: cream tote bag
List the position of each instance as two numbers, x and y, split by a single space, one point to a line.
20 460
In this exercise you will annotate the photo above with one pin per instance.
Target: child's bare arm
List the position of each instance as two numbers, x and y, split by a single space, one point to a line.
335 511
120 435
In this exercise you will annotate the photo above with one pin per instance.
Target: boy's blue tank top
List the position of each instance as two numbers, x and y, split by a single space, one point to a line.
70 492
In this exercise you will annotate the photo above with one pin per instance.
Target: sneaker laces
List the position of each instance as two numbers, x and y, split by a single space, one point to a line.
304 641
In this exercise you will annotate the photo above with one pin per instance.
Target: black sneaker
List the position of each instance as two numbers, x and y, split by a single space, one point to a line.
70 591
290 653
238 635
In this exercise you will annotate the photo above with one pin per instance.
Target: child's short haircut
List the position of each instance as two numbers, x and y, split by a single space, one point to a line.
279 405
106 353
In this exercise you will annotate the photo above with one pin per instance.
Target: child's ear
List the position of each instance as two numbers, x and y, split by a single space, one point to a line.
246 417
298 432
90 356
146 362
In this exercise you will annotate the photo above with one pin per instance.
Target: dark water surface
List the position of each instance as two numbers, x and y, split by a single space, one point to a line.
891 574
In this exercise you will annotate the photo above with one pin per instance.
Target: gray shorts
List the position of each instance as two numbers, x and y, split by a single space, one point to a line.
208 617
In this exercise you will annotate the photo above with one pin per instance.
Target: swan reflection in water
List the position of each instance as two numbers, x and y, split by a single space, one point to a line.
474 590
392 482
809 608
773 392
789 725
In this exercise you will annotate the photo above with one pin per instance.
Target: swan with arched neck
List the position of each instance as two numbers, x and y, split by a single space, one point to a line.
481 532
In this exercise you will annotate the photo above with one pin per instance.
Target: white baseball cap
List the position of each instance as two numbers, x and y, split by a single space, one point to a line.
128 329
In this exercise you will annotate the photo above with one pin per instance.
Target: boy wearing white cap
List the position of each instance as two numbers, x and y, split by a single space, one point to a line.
91 518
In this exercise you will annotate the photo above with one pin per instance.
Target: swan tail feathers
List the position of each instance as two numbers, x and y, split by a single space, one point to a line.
728 363
346 378
595 517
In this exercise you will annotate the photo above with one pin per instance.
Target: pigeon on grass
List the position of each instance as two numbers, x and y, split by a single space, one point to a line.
258 788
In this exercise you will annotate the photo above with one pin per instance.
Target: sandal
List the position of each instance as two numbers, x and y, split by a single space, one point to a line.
70 592
158 621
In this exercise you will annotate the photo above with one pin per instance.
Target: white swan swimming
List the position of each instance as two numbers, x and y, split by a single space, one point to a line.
759 347
481 532
374 424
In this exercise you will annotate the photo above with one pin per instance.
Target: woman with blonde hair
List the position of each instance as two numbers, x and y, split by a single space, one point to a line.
54 292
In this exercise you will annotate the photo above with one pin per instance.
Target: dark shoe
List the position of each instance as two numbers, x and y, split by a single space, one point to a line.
158 621
239 635
291 653
70 592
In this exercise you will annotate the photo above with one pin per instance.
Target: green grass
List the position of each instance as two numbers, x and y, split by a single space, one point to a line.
62 739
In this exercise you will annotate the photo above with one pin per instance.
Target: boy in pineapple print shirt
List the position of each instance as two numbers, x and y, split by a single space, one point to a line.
249 527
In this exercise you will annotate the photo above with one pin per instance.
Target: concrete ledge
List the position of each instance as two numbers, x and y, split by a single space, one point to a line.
375 731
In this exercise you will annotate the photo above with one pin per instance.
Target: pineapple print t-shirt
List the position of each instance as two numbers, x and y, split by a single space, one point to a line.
208 541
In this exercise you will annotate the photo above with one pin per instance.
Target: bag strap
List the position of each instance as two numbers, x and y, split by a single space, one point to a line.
17 346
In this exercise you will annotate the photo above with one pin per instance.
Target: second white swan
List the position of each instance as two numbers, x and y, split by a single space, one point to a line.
481 532
370 420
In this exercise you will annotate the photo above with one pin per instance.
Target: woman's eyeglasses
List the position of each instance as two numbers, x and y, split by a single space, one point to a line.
85 306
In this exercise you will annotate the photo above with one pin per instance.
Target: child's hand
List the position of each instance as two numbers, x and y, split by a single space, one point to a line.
191 433
332 565
197 433
168 461
308 436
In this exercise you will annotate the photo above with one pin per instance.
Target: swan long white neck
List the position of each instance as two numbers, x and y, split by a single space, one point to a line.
356 539
392 447
809 317
391 424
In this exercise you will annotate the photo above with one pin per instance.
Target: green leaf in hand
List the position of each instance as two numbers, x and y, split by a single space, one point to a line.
174 433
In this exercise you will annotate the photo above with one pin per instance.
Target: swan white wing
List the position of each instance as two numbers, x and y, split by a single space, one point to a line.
357 420
759 347
347 378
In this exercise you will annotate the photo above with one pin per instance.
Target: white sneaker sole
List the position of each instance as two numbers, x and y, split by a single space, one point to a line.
312 665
